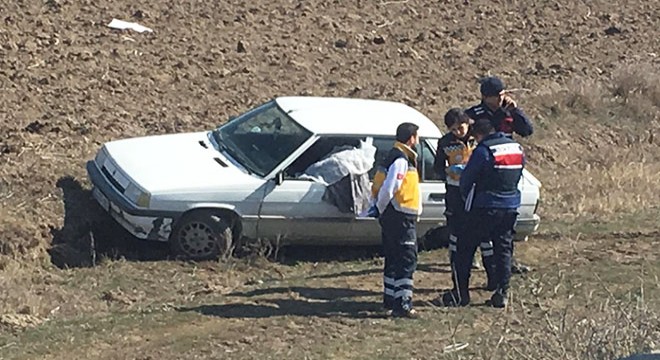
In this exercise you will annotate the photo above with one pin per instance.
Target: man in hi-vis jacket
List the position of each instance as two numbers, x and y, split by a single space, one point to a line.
397 205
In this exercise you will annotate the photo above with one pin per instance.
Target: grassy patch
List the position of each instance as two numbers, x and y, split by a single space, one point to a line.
591 299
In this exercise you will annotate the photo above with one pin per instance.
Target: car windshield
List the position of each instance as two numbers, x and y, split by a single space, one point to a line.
261 138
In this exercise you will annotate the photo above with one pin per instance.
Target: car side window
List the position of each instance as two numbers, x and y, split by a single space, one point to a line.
383 146
426 162
318 151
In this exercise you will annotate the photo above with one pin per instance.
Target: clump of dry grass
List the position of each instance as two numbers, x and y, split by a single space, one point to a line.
577 318
622 184
597 155
584 94
638 89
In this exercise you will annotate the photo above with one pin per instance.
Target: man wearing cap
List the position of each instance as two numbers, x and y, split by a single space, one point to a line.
500 109
454 150
505 115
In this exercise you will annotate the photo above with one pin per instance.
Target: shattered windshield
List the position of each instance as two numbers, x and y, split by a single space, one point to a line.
261 138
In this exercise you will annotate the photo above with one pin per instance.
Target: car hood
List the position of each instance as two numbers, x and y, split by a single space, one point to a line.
175 163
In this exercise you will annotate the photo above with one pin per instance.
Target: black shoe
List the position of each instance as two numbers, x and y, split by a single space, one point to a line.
453 299
518 268
408 314
498 300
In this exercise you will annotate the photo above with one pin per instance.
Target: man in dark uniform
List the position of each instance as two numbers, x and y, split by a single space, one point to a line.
489 185
454 150
505 115
498 107
397 205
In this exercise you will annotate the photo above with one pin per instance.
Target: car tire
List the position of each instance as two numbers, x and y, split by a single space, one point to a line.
202 236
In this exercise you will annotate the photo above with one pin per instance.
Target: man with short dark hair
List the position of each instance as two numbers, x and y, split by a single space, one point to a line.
489 185
453 152
506 116
397 204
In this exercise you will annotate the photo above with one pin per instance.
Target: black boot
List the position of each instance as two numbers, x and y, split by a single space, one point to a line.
489 266
454 299
499 299
408 314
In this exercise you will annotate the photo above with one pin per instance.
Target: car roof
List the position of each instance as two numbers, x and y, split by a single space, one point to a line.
351 116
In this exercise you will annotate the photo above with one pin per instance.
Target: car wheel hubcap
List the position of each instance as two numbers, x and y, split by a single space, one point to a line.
197 239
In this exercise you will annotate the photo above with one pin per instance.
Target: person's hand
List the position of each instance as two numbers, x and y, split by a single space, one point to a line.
456 169
373 212
508 103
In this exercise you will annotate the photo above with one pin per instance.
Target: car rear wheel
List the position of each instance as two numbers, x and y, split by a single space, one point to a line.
202 236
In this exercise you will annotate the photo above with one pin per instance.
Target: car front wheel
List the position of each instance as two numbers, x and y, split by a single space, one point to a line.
202 236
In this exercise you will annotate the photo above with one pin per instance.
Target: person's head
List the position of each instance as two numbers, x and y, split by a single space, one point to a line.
457 122
482 128
492 91
407 133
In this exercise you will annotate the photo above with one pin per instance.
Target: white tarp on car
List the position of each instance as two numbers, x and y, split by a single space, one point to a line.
342 161
345 174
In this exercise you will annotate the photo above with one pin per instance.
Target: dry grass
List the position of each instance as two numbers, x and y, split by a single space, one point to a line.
589 299
597 152
622 185
585 310
638 90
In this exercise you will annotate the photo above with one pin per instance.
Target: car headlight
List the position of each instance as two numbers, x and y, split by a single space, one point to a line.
101 156
137 195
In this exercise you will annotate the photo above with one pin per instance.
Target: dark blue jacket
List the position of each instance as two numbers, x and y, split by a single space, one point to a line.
506 121
491 176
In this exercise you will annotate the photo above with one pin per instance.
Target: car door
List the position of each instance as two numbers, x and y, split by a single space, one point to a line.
432 190
295 211
431 187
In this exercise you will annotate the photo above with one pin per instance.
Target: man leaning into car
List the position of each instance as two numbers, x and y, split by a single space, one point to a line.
397 204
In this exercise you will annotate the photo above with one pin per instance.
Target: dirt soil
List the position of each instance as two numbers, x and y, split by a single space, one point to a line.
68 83
589 73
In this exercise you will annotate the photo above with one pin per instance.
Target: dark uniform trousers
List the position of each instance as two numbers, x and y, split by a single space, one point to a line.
399 236
457 222
494 225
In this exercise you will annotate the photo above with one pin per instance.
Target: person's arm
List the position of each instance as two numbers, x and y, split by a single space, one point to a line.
522 125
440 162
478 160
392 183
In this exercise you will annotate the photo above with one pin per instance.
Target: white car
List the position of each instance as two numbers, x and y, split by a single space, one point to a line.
203 191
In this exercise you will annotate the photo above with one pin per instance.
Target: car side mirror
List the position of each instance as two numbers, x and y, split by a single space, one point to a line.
279 178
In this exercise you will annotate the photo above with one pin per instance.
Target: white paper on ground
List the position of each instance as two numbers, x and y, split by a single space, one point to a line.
123 25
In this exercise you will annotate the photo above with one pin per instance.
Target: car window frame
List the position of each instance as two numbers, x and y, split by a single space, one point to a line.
431 144
317 137
251 113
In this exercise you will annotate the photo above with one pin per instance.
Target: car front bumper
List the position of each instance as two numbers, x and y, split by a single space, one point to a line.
141 223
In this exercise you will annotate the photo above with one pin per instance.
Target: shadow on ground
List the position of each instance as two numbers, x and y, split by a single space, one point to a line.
89 234
317 302
290 307
326 293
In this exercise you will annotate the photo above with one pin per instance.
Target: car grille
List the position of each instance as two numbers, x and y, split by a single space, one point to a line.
112 179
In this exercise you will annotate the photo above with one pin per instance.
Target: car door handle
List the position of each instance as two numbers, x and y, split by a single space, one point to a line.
437 196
